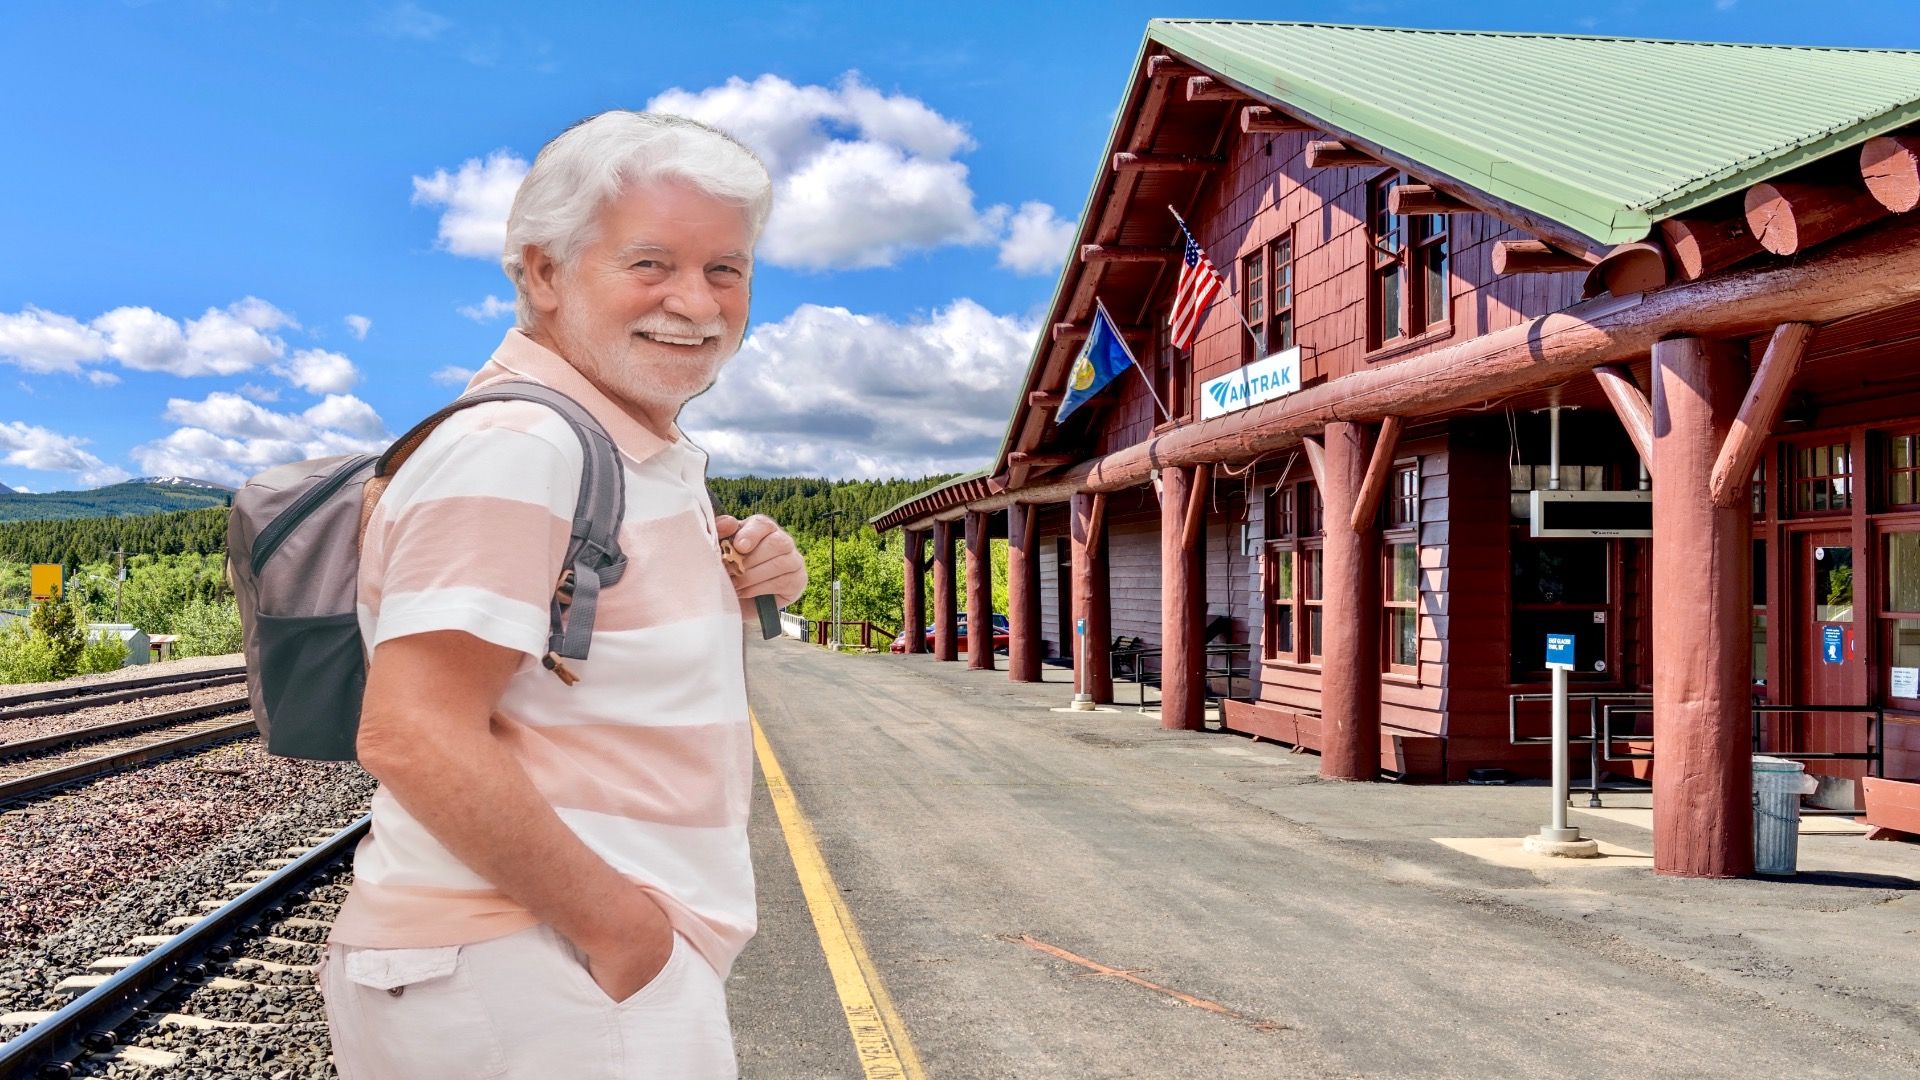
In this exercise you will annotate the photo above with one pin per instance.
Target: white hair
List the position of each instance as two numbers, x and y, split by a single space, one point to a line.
598 158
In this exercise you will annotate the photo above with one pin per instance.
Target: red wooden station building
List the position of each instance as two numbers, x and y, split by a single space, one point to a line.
1520 334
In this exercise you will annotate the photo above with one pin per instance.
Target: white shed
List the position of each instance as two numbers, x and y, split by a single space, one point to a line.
139 649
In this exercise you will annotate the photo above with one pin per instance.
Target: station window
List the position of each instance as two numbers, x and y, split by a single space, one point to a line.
1253 304
1561 587
1823 478
1400 577
1169 376
1759 618
1404 498
1410 270
1903 471
1280 294
1293 574
1522 479
1900 613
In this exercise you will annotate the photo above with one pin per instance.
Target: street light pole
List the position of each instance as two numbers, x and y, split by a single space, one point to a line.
833 573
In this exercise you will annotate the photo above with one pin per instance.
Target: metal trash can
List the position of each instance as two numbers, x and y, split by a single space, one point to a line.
1777 787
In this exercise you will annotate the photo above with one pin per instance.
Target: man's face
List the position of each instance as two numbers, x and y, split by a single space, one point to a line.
653 308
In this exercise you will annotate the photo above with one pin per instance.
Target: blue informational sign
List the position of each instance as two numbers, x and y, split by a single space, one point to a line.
1560 651
1832 644
1080 626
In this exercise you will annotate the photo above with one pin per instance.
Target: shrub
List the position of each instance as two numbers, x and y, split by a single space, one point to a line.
104 653
24 655
207 628
63 626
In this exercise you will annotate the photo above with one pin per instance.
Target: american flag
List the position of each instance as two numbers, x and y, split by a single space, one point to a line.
1199 284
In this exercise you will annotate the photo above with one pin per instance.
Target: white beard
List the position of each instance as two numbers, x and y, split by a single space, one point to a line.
647 374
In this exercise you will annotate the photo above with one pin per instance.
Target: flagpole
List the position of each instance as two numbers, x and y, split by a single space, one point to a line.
1239 314
1125 348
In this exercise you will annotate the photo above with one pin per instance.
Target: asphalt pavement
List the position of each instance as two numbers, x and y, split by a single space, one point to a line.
1055 894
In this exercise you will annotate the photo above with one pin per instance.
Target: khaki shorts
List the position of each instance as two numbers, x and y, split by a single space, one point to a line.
521 1007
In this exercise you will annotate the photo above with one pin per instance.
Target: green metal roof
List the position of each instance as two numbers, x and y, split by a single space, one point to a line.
1604 135
977 474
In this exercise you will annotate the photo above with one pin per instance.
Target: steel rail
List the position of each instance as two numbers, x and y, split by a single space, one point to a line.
38 743
87 1022
36 783
73 701
214 675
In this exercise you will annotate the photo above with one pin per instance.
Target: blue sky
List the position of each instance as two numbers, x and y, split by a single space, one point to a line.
244 233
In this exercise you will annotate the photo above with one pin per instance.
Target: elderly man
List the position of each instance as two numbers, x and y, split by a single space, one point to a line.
557 880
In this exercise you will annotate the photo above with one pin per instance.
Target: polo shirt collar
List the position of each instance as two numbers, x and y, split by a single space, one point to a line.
521 355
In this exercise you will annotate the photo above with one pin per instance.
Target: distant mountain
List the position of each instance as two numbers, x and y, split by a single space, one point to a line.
148 495
5 490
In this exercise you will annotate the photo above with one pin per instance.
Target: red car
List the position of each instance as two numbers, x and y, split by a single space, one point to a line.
1002 635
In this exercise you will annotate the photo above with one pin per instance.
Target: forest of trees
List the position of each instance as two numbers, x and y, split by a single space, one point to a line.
72 541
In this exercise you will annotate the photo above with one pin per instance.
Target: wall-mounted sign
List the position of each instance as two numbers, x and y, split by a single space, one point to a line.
1906 682
1276 376
1832 641
1591 513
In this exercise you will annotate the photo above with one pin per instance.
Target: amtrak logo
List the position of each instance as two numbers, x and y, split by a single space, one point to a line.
1276 376
1083 372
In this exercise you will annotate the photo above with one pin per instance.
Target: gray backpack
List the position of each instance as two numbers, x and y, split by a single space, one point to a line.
293 558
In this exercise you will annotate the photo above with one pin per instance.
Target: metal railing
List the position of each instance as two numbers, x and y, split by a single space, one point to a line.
849 632
1597 716
1228 670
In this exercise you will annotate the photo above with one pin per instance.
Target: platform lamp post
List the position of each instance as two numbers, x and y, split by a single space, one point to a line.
119 578
833 576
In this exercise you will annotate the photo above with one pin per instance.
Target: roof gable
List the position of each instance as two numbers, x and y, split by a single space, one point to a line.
1605 135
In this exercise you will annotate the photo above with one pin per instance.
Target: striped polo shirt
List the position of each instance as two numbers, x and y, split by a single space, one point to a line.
649 757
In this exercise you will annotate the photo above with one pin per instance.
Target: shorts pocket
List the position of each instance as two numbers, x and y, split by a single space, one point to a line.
659 985
413 1013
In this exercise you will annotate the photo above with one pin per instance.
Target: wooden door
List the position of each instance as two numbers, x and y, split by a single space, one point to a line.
1830 622
1063 595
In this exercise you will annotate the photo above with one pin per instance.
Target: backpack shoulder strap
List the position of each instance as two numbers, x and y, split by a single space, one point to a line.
593 557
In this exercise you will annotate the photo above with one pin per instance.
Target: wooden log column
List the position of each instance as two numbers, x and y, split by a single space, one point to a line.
979 593
1091 599
1023 592
1702 659
1350 674
1183 600
914 603
945 615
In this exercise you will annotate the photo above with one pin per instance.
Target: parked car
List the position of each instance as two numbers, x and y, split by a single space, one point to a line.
1002 635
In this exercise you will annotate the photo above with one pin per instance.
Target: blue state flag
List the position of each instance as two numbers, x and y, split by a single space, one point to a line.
1101 361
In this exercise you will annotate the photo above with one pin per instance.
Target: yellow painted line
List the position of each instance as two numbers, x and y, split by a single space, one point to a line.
879 1036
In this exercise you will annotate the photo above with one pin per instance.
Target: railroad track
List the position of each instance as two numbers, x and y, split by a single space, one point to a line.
123 1009
66 699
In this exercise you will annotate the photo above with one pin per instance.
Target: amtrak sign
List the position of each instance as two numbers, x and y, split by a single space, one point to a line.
1276 376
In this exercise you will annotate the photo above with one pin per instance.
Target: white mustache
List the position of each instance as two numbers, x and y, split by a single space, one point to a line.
672 327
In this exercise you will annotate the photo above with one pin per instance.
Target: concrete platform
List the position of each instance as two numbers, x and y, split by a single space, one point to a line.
1052 894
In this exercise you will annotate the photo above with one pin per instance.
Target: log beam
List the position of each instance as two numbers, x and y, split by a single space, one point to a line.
1630 268
1066 331
1023 592
1534 257
979 594
1107 253
1034 459
1630 405
1423 199
1366 507
1890 165
1196 509
1705 245
1208 88
1169 67
946 631
1092 599
1350 628
1702 609
1790 216
1334 154
1163 163
1266 120
1183 601
1045 399
914 603
1316 461
1759 411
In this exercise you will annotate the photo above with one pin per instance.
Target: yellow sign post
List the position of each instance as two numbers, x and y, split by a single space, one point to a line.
46 582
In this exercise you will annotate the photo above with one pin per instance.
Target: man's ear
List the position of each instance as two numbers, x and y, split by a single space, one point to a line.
541 279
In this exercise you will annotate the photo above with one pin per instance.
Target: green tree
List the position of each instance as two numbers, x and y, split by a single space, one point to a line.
106 652
62 624
207 628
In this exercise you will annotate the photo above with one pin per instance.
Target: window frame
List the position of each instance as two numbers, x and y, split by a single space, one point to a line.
1407 254
1282 244
1293 507
1796 482
1253 304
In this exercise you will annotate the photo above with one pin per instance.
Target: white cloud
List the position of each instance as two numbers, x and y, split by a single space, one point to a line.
44 341
227 438
1036 240
487 310
453 375
318 371
410 20
31 447
102 378
826 391
477 197
258 392
358 325
861 177
224 341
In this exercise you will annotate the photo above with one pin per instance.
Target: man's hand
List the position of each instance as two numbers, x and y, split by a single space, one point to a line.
622 967
771 563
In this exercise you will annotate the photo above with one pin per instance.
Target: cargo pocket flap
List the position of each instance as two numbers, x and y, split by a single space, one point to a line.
384 969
